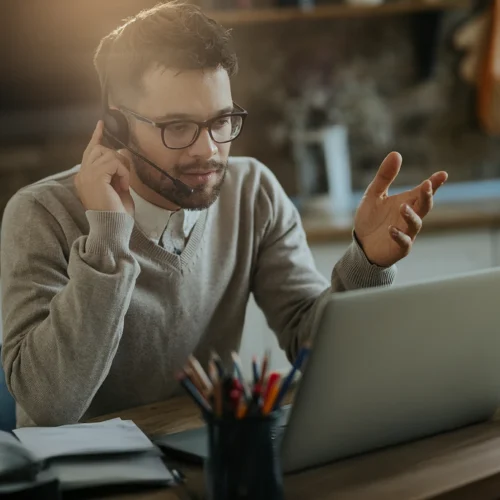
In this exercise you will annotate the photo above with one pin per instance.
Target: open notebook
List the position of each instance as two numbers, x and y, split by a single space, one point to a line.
111 453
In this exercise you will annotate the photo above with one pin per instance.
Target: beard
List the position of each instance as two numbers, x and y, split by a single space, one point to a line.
202 197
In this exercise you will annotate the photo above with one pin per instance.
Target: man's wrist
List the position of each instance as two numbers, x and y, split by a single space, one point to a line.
109 232
357 241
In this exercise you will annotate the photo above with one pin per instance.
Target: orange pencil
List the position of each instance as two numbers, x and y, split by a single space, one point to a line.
271 398
242 408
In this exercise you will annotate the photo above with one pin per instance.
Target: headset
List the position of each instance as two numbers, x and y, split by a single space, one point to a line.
117 133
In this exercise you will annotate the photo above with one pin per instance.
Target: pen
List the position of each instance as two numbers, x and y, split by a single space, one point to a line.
288 380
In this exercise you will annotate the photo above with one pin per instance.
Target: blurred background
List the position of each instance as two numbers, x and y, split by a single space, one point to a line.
331 86
372 75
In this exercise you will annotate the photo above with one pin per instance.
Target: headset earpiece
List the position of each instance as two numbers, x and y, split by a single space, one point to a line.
117 134
115 125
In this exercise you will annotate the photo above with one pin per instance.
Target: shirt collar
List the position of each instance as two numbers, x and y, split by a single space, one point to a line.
153 220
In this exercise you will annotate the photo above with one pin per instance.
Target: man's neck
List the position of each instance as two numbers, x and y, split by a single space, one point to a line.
149 195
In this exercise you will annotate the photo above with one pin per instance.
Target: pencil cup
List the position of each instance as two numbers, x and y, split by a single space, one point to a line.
244 458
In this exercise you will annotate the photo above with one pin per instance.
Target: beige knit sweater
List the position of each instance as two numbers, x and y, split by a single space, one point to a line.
99 318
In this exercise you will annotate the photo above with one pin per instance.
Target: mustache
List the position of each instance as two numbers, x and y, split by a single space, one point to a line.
201 166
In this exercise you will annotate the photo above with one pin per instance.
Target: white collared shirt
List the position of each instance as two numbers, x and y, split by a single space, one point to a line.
166 228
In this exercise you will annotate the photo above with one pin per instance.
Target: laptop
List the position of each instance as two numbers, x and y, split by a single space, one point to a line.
388 366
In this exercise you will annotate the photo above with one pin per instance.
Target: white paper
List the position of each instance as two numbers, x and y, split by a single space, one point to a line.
125 469
115 436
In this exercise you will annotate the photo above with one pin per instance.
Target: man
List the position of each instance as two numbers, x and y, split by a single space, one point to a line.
115 271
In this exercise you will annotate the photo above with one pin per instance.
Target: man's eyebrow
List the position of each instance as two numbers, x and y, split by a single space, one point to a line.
186 116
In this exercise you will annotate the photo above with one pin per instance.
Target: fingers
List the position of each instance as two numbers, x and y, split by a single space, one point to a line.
126 156
437 180
386 174
402 239
108 155
123 174
424 201
95 154
95 139
413 221
112 164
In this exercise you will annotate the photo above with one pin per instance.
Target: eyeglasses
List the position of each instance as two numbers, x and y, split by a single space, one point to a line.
180 134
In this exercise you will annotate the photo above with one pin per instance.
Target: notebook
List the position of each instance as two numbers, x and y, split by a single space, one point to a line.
111 453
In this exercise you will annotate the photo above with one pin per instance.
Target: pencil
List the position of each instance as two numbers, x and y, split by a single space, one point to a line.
242 408
194 379
265 363
217 391
218 398
255 370
194 393
239 373
218 363
271 398
274 378
200 374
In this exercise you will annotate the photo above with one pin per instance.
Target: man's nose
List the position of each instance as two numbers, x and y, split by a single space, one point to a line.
204 147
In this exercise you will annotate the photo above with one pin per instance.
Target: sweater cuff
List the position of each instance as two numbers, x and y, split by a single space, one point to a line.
109 232
356 271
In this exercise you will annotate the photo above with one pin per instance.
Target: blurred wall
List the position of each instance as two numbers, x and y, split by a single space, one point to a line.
391 80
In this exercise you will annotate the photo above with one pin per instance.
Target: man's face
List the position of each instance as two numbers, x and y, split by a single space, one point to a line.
188 95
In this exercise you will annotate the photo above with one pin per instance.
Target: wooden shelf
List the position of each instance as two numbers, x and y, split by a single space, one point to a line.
339 11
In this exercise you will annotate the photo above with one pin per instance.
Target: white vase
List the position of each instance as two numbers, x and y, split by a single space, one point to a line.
338 168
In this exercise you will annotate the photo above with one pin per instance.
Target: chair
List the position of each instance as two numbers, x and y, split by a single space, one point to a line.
7 404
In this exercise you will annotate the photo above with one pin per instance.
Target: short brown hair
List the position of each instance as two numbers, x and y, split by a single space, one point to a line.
173 35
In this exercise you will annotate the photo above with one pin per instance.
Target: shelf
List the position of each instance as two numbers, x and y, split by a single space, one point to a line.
339 11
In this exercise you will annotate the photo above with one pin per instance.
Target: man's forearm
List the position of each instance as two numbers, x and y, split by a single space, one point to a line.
59 346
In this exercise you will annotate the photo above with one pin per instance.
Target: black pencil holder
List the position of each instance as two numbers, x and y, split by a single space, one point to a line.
244 458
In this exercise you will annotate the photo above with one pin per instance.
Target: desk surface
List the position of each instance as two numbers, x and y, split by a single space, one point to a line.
464 464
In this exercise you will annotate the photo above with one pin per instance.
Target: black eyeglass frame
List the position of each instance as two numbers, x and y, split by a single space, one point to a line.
201 125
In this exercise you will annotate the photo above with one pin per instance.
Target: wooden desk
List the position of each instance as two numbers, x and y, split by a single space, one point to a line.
462 465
